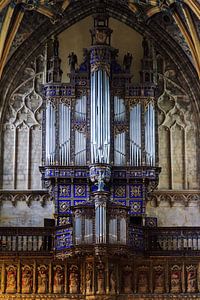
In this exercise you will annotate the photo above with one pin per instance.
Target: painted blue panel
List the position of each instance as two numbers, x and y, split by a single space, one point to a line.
65 220
136 191
77 202
64 190
120 201
120 191
80 190
136 207
64 206
64 239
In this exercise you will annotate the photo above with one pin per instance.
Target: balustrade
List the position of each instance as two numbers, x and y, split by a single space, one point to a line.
23 239
174 240
154 241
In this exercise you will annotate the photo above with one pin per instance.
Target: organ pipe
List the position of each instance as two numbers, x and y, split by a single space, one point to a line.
135 135
113 230
100 223
80 136
119 139
64 133
150 135
50 134
88 231
122 231
100 117
78 230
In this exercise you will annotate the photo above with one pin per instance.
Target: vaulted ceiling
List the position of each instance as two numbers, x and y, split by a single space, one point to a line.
15 21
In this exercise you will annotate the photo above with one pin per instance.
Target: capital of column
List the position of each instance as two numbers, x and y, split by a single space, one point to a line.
100 174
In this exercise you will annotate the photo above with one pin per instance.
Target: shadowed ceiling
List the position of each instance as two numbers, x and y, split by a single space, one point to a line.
20 18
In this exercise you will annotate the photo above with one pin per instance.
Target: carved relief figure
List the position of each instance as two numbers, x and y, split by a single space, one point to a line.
127 279
42 279
159 280
112 282
100 279
27 279
55 46
143 285
127 62
73 280
72 61
191 279
88 278
101 184
145 46
11 279
58 279
175 279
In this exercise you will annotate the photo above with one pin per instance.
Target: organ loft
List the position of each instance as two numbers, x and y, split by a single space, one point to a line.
100 195
100 161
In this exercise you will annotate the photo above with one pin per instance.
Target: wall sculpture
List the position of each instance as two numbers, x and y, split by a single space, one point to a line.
11 279
27 279
142 277
177 131
42 279
22 131
58 279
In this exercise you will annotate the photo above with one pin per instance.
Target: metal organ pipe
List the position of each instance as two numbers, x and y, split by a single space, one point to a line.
119 139
100 223
47 133
50 134
135 135
100 117
113 231
78 230
123 231
88 231
64 133
80 136
150 135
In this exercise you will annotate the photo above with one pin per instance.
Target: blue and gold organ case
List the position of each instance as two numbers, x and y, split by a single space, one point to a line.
100 156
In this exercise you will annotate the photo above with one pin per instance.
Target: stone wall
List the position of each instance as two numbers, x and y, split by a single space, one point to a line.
177 130
25 209
22 134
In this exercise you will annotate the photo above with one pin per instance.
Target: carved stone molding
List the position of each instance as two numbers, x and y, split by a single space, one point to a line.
26 196
172 197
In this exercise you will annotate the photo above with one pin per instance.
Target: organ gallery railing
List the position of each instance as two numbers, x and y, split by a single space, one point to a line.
153 241
26 239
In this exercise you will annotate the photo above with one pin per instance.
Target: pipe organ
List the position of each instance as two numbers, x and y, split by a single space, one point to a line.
100 116
99 144
64 133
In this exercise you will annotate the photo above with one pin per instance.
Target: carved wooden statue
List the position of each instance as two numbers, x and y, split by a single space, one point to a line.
73 280
11 279
100 279
143 285
191 279
159 280
175 280
112 282
27 279
127 279
88 278
58 280
42 279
